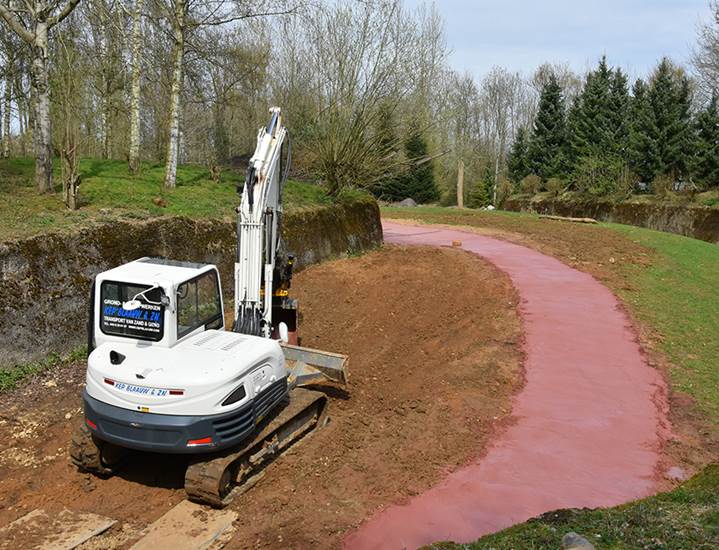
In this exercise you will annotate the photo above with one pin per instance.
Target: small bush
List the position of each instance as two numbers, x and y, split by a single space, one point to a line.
598 176
505 189
662 185
449 197
555 186
479 195
531 184
627 185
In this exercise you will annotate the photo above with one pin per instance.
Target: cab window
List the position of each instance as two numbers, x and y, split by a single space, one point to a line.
199 304
144 323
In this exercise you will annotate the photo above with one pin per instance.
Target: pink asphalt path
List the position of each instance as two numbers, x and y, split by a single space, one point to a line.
590 421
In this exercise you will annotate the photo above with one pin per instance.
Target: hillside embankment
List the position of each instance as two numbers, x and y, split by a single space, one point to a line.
698 222
45 279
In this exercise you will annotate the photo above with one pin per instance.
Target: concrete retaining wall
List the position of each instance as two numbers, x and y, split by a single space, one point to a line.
691 221
45 280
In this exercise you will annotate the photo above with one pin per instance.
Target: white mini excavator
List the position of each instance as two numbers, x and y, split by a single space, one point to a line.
163 374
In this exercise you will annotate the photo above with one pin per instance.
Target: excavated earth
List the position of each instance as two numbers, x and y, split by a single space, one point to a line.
436 350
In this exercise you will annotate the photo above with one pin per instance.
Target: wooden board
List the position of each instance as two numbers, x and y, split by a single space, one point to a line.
65 531
188 526
565 219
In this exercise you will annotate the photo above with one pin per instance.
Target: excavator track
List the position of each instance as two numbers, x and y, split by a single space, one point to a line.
217 479
91 455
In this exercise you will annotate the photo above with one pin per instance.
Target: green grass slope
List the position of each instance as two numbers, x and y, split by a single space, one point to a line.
678 296
108 191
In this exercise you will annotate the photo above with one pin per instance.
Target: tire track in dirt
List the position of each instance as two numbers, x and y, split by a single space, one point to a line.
591 420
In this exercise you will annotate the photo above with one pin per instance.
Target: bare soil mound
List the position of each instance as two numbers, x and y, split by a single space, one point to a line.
435 357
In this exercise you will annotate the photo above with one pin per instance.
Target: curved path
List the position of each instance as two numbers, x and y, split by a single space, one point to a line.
590 420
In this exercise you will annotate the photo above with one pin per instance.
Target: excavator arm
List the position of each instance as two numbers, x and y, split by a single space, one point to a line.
259 219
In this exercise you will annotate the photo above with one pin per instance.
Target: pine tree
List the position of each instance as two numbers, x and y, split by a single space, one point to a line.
547 146
706 157
591 124
573 122
644 154
597 121
418 183
481 194
390 187
670 100
619 103
680 134
518 159
661 137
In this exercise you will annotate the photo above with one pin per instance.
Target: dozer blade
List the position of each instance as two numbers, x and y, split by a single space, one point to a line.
310 366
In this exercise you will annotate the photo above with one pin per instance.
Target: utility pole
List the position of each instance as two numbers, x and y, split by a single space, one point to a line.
460 184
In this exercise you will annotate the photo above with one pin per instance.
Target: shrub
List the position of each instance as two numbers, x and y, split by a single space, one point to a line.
505 189
555 186
598 176
662 185
531 184
479 195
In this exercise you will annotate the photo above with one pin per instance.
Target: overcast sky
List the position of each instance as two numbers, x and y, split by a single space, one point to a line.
521 34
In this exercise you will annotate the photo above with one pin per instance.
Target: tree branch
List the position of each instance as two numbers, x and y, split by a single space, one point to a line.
16 25
67 10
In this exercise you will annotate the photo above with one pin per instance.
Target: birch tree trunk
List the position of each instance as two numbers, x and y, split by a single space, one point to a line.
40 15
173 144
134 154
7 106
107 125
42 128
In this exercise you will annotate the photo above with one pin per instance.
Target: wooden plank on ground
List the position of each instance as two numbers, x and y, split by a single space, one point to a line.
188 526
65 531
565 219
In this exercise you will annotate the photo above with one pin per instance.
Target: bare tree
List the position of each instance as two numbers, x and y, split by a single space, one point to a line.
69 101
12 50
184 17
136 65
33 22
706 56
105 28
359 58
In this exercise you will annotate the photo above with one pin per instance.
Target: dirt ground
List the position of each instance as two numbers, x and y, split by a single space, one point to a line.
434 341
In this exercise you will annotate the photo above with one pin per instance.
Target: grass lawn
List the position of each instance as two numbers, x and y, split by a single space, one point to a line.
108 191
678 295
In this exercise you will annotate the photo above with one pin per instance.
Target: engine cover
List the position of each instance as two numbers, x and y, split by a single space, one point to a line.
193 377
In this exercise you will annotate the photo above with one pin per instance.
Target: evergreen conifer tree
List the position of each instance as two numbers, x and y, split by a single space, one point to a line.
418 183
548 144
518 159
619 114
706 158
661 139
592 121
481 194
643 135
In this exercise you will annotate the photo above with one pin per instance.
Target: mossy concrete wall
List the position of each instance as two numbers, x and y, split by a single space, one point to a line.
698 222
45 280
